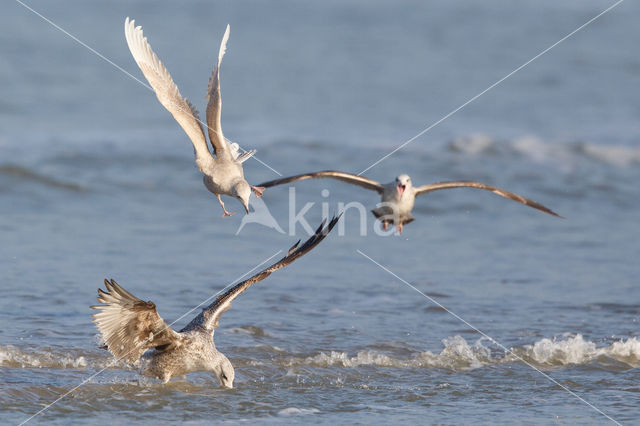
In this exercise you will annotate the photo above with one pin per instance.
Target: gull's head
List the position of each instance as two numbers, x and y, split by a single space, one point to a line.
242 191
403 182
225 372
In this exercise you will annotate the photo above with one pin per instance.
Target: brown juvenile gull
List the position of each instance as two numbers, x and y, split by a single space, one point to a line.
398 197
223 174
130 326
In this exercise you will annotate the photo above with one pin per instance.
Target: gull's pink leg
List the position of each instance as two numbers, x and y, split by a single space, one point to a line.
226 213
258 190
385 225
399 228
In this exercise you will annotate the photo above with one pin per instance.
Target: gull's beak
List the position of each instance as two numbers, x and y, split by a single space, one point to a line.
401 189
246 206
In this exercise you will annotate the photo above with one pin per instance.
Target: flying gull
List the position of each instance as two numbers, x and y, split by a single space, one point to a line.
399 196
130 326
223 174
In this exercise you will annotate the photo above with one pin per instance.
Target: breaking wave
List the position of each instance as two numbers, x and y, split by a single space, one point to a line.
294 411
459 355
10 356
545 151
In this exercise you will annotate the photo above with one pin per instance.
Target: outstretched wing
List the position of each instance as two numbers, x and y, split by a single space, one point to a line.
470 184
166 90
130 326
214 107
333 174
208 319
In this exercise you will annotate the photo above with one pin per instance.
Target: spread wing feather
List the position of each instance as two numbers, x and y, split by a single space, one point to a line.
166 90
208 319
332 174
214 107
470 184
130 326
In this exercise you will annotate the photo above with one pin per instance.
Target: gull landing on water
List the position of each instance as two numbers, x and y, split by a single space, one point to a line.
398 197
223 174
130 326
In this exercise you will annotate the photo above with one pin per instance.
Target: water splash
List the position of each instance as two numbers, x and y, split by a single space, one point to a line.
10 356
459 355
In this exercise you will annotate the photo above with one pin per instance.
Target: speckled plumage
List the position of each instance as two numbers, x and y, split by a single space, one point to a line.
130 326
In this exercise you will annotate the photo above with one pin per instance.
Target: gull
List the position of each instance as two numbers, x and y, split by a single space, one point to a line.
223 174
398 197
130 326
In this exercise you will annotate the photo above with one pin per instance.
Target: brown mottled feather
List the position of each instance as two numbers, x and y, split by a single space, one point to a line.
130 326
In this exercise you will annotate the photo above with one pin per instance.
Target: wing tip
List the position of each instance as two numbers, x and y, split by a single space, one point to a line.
130 26
223 44
322 231
551 212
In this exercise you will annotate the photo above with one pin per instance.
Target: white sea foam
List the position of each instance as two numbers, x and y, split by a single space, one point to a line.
476 143
10 356
549 151
293 411
615 155
574 350
459 355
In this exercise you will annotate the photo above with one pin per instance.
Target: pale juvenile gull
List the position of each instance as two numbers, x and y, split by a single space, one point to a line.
223 174
130 326
398 197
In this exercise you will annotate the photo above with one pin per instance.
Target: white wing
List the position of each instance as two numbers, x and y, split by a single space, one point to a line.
214 107
166 90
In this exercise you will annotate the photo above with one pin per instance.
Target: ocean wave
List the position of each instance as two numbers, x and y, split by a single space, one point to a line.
293 411
27 175
574 350
548 151
10 356
459 355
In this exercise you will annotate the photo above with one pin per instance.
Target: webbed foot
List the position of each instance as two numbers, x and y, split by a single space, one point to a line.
258 190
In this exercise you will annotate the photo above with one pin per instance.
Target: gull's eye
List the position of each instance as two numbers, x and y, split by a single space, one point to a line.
224 376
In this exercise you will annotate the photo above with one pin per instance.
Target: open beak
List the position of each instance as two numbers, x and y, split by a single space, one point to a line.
401 189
